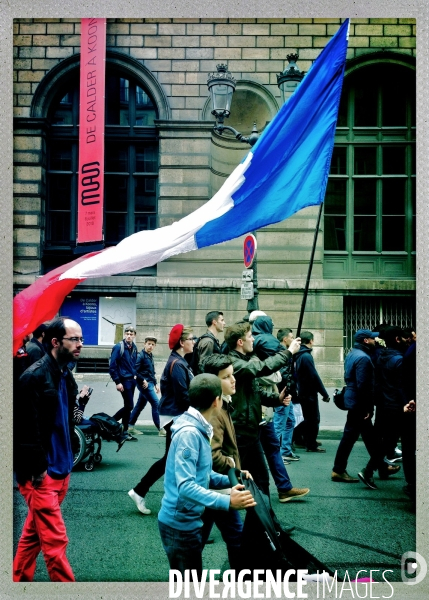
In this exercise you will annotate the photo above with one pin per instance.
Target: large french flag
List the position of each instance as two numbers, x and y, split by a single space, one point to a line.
285 171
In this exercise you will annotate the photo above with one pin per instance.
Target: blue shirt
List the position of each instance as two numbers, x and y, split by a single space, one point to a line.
60 455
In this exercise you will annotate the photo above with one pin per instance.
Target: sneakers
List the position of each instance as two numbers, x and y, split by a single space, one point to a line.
285 461
392 460
135 431
162 432
122 441
345 477
291 456
367 478
140 503
391 470
292 494
130 438
318 449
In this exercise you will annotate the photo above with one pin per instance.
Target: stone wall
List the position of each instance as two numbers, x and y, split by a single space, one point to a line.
194 162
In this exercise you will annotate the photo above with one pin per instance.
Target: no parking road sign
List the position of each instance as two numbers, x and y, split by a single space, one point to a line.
249 250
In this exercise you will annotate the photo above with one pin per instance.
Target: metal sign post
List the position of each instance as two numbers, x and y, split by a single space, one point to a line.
249 286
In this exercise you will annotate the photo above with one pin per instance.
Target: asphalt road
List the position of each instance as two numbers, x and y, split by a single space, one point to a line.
346 526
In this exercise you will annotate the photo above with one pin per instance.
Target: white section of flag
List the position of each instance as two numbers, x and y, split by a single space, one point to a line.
146 248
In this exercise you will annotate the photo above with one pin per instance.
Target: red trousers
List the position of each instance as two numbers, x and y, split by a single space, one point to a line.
44 530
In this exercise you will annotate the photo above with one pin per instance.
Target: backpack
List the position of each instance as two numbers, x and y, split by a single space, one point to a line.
195 357
111 429
121 352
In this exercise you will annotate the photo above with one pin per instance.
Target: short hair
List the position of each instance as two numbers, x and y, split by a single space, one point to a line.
236 332
390 334
380 328
213 315
185 334
306 337
282 333
215 363
54 329
130 328
408 331
39 330
203 389
151 339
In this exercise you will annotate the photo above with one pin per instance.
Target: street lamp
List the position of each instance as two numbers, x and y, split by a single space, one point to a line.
221 87
291 77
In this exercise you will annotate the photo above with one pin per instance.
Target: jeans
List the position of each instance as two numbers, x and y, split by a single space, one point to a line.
357 425
230 525
145 396
183 548
271 447
157 470
128 398
284 423
310 411
44 530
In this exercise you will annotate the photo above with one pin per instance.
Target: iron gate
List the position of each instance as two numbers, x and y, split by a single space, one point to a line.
368 312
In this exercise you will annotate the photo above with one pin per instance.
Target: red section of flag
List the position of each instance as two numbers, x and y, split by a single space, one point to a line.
41 301
91 131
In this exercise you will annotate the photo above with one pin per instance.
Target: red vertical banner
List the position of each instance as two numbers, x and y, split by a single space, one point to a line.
91 131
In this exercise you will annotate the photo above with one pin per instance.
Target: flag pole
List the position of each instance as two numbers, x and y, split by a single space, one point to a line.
310 268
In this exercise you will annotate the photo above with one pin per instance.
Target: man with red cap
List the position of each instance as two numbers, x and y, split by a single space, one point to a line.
174 401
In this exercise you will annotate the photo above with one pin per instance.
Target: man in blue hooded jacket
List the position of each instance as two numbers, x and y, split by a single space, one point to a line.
189 475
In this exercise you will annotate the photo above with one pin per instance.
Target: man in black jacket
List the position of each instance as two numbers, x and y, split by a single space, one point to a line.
359 401
122 369
309 385
43 455
34 347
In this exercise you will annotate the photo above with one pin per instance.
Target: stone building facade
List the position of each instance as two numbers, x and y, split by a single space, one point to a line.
364 268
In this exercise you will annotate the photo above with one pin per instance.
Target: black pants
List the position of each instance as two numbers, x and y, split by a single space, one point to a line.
388 423
356 425
128 398
157 470
408 437
311 414
252 459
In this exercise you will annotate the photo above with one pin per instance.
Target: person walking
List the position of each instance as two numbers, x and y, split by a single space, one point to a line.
122 369
175 380
359 401
43 454
147 386
35 349
247 403
309 386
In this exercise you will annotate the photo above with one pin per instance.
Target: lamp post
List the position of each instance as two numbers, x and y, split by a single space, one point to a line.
221 86
291 77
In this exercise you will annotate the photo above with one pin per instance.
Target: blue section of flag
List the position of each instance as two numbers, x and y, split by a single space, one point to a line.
291 160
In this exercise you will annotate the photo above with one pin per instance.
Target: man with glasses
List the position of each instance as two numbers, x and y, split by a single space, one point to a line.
43 454
122 369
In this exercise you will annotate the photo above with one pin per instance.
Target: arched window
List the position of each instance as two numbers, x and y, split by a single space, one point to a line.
369 210
131 164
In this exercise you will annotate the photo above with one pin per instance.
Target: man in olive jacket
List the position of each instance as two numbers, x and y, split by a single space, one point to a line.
247 413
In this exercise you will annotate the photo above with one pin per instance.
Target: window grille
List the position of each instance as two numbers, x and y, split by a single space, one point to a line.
368 312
